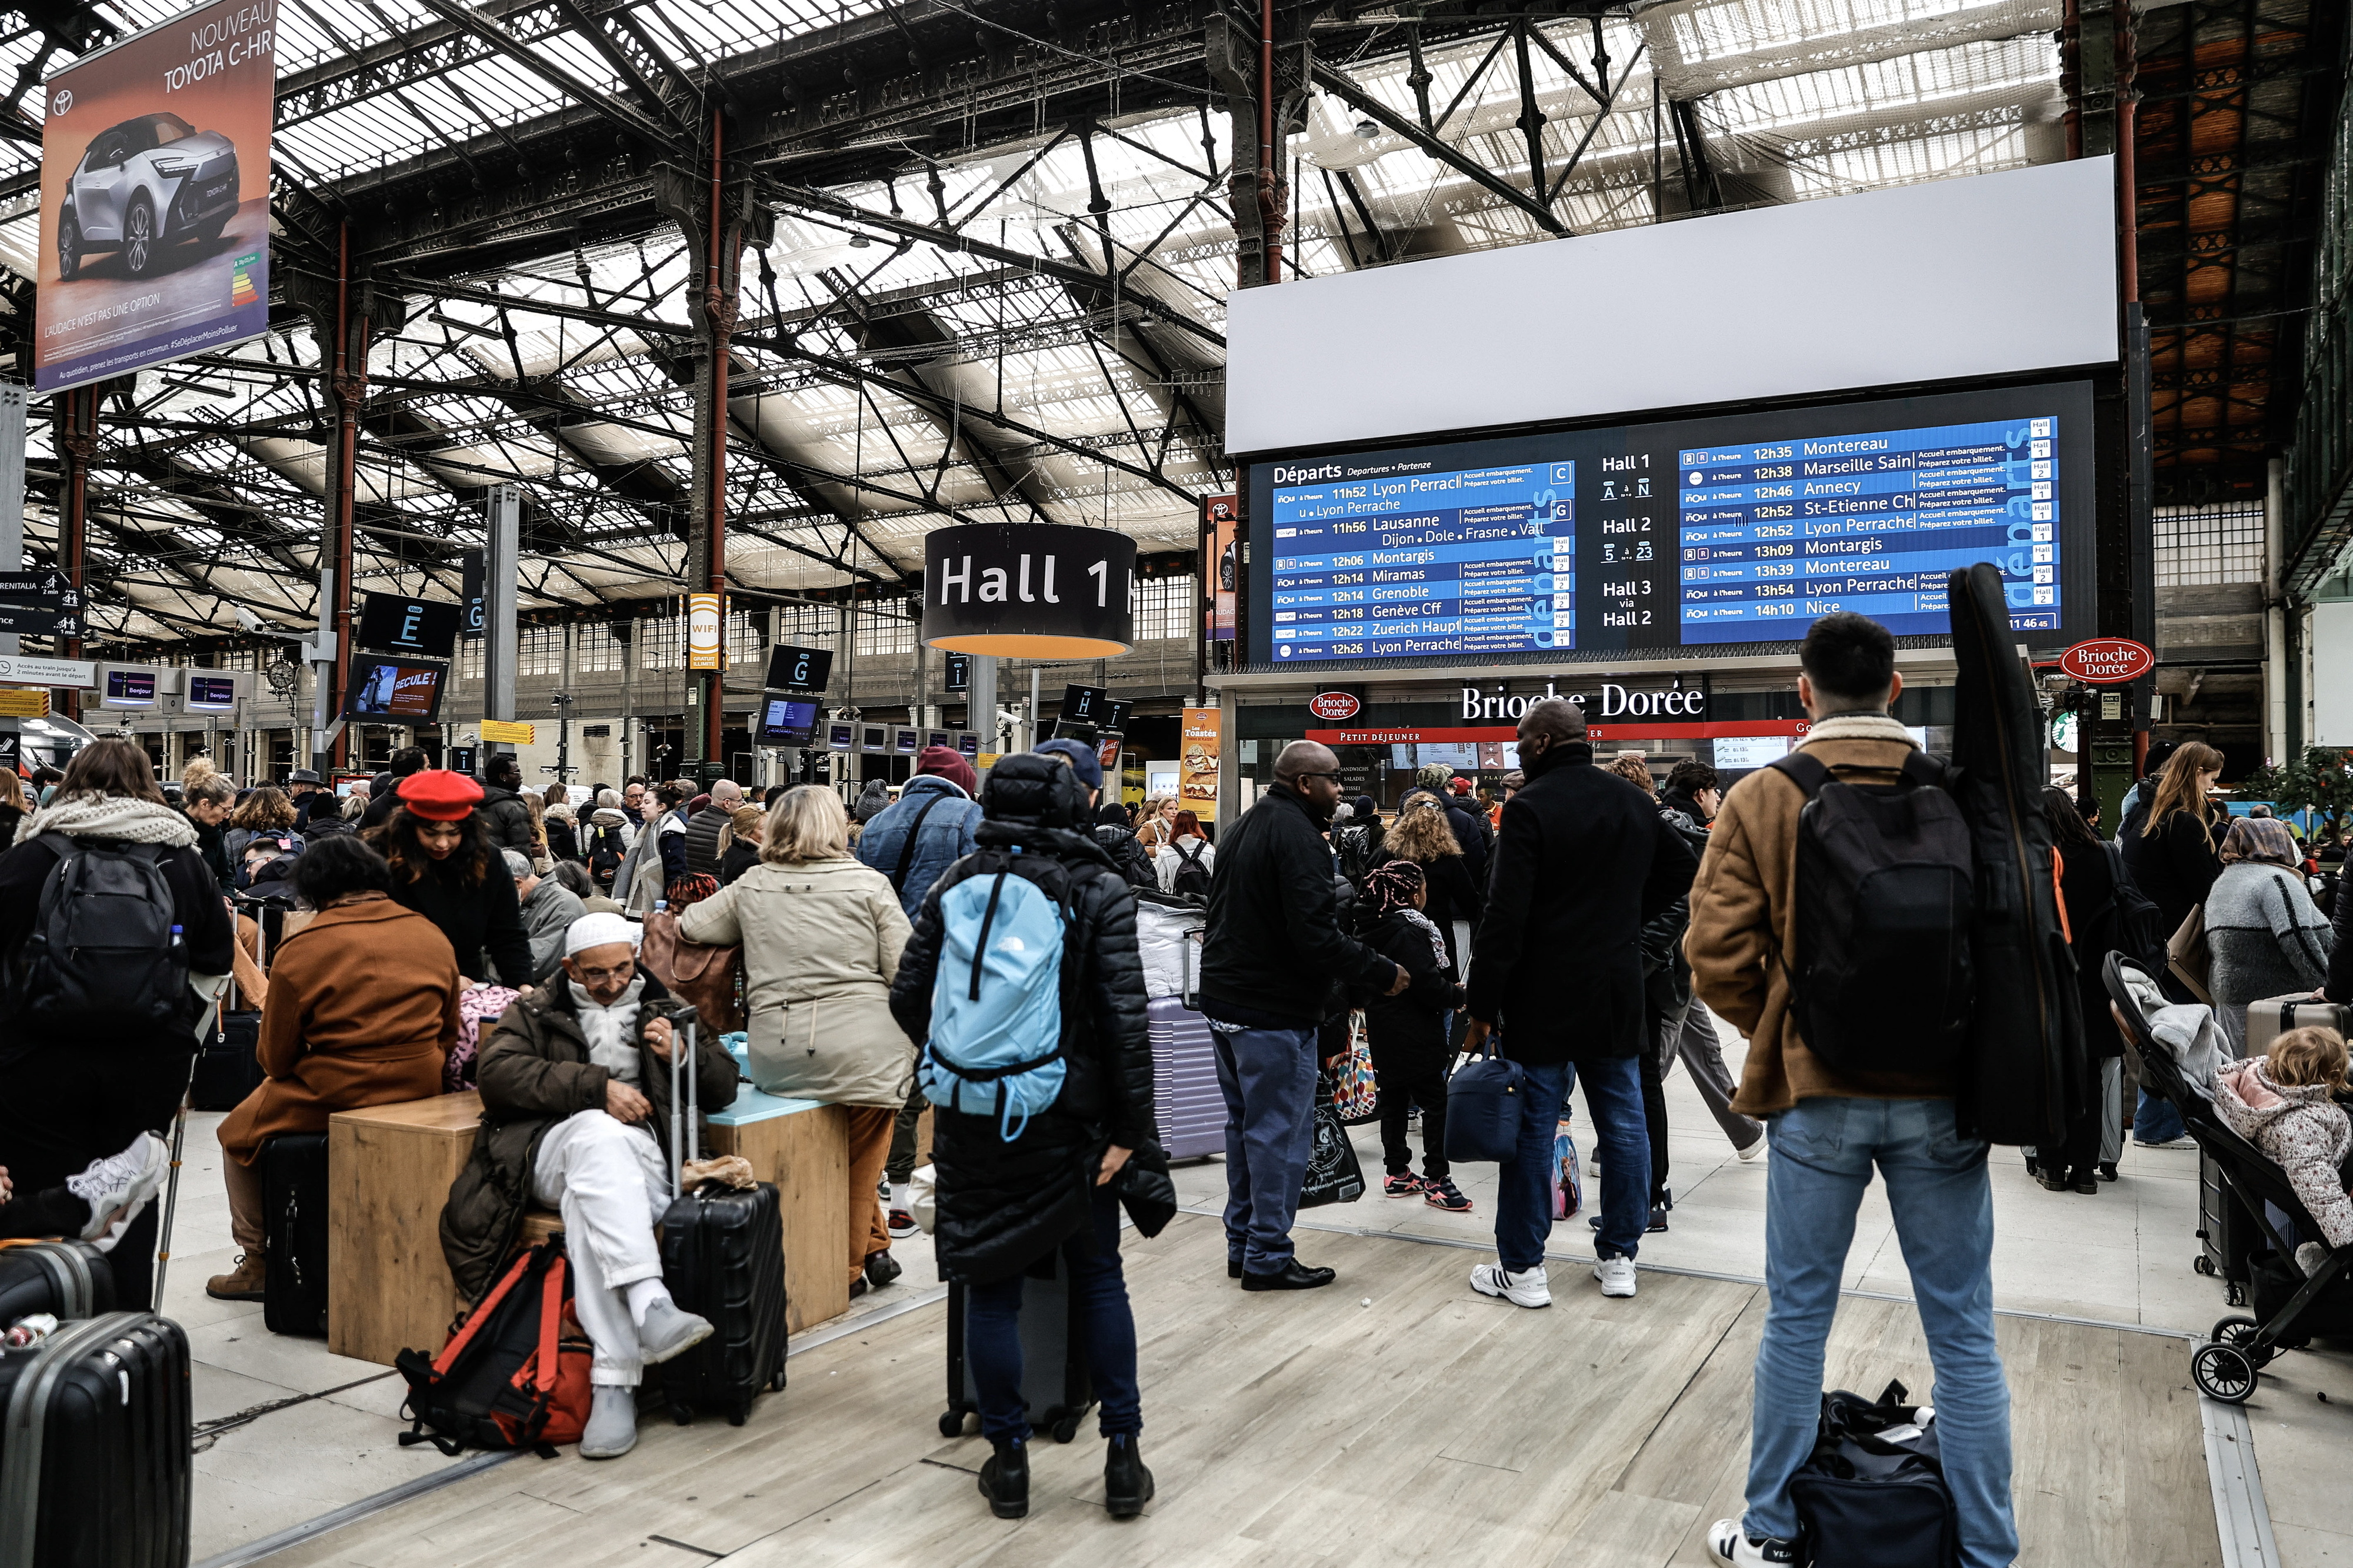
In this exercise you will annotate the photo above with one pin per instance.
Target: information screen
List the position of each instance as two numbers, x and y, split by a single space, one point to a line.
211 693
787 722
394 691
1738 528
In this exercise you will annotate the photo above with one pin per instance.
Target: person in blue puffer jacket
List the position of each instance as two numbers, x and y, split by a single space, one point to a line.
938 809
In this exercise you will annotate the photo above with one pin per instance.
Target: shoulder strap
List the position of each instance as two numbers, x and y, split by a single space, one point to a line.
907 850
1807 772
1923 769
1194 859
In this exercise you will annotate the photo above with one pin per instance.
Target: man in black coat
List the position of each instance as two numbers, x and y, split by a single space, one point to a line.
383 790
1274 953
1581 864
503 812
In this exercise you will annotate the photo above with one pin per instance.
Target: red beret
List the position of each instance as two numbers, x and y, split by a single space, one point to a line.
436 795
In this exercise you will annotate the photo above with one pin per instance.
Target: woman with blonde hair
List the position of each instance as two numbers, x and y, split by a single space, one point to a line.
1156 828
1423 835
740 850
821 936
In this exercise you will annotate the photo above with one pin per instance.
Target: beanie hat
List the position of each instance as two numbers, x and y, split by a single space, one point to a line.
1434 777
1083 761
947 762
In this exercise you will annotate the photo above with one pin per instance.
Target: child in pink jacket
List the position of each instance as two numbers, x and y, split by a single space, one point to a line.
2281 1102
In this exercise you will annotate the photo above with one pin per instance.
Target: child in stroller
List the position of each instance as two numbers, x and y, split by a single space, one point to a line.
2283 1103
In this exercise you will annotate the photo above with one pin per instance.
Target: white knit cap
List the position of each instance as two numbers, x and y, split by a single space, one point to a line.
599 931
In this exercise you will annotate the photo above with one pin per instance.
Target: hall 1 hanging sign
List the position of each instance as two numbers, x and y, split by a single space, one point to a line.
1030 590
155 196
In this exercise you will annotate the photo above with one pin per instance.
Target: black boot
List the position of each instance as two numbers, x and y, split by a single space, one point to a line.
1127 1485
1005 1481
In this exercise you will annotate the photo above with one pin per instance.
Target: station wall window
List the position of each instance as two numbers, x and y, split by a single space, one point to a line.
2202 545
1165 606
594 651
539 650
881 631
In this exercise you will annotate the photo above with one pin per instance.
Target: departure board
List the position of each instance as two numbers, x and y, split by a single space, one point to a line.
1739 529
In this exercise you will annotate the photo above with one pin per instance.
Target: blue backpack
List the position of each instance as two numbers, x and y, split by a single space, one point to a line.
997 1008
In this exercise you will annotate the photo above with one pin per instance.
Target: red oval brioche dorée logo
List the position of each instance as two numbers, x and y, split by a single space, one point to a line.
2107 661
1334 705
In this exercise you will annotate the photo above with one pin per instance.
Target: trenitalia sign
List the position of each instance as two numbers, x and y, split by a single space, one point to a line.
1612 701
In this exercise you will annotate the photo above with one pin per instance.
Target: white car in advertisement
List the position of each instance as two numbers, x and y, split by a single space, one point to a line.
141 188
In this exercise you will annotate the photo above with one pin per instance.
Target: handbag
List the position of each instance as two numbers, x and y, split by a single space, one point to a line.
1145 1190
697 974
924 1196
1483 1101
2189 957
1873 1494
1334 1176
1355 1092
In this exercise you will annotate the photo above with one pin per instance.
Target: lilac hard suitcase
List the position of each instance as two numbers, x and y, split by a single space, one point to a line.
1185 1093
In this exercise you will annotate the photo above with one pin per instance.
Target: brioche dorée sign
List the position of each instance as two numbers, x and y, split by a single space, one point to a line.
2107 661
1334 705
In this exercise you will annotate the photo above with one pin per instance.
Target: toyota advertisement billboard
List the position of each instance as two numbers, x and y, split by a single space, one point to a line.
155 196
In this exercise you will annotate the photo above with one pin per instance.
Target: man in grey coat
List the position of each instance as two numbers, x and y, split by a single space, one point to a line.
548 909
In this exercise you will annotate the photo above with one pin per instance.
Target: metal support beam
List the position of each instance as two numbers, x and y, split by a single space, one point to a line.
76 443
654 132
1381 114
500 561
12 488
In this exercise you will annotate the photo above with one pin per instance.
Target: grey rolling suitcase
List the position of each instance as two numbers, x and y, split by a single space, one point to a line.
1186 1101
1054 1382
2228 1233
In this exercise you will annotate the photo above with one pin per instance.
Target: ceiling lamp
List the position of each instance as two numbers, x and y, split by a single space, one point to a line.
1030 590
1367 129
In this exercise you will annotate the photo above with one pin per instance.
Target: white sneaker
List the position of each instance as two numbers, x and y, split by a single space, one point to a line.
1526 1289
1616 1276
1727 1545
1754 1151
118 1185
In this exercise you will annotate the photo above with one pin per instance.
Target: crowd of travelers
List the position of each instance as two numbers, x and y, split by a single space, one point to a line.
433 929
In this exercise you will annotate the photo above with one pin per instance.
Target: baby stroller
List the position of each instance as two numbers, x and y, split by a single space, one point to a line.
2225 1366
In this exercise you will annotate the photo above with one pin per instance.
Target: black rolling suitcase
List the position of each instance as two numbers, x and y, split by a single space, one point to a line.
294 1233
63 1278
1054 1383
94 1447
723 1251
2229 1232
227 1067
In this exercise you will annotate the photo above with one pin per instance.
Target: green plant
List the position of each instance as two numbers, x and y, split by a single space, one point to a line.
2320 781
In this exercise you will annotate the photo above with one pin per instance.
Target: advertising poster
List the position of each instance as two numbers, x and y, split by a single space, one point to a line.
155 196
1220 524
1197 761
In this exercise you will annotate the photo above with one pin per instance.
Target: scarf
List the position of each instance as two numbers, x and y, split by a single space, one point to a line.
111 817
1430 930
609 1027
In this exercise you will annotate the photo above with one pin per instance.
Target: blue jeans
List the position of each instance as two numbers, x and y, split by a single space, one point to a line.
2158 1121
1613 1097
1269 1079
1824 1152
1090 1271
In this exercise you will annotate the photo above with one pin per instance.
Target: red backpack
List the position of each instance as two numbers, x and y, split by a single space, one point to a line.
514 1376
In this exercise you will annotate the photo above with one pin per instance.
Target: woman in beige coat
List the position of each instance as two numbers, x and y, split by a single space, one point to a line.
821 936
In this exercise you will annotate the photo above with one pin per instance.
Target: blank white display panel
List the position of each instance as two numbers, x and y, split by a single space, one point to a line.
1954 278
2332 655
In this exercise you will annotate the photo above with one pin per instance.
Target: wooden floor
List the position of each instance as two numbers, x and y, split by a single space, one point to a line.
1430 1425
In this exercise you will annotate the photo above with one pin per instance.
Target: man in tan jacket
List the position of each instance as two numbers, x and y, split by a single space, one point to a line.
1829 1130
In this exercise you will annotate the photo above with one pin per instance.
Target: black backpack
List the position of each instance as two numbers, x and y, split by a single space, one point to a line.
2140 934
1354 848
1191 878
1881 979
604 852
105 955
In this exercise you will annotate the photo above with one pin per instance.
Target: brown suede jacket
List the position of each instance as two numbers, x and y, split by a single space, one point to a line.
1743 916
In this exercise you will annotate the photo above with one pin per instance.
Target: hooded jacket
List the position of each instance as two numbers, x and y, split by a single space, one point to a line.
945 837
1276 944
507 818
1128 856
2299 1128
533 1072
1584 860
1002 1206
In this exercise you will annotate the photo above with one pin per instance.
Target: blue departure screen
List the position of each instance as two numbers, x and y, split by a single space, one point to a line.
1735 528
1775 532
1455 561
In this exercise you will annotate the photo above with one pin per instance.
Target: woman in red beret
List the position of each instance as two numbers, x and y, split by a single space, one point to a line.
445 869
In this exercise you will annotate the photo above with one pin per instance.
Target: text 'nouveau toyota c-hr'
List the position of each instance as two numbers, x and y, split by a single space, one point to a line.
142 185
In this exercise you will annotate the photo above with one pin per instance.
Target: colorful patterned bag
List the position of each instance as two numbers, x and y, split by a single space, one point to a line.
1355 1094
1567 1189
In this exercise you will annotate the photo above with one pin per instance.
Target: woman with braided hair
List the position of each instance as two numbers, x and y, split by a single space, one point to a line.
1408 1032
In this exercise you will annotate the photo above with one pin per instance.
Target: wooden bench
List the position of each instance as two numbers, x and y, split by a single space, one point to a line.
804 1148
389 1168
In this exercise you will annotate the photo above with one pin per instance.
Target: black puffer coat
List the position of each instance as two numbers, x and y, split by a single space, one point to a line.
1002 1206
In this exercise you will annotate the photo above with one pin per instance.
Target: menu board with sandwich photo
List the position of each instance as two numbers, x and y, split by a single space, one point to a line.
1197 761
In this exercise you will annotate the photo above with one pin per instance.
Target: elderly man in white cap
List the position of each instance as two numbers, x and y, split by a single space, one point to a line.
575 1110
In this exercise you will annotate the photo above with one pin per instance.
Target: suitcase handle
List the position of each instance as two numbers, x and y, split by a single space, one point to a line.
692 1131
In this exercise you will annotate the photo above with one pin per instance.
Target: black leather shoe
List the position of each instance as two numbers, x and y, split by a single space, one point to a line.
2086 1183
1292 1276
882 1268
1233 1268
1127 1485
1005 1480
2107 1169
